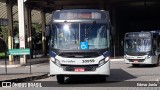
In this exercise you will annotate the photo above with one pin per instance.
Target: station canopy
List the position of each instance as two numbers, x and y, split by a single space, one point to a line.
36 14
50 5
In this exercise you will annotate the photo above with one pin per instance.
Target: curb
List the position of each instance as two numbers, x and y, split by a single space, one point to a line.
11 66
25 79
116 59
27 64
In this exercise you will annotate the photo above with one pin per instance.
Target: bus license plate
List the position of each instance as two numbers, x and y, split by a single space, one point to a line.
135 61
79 70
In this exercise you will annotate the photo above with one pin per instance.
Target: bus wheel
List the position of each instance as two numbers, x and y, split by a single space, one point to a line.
135 65
103 78
158 62
60 79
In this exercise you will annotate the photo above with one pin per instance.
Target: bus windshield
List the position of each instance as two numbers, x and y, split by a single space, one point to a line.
137 45
69 36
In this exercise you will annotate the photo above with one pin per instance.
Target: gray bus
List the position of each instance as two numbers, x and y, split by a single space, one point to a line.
142 48
80 43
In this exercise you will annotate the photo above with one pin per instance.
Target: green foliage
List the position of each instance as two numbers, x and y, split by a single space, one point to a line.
36 27
36 36
4 33
36 32
15 29
2 55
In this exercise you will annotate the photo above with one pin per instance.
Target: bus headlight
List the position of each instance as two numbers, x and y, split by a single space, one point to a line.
148 56
125 56
52 59
103 61
55 61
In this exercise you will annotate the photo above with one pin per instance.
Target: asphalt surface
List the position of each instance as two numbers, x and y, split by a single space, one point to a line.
123 77
126 72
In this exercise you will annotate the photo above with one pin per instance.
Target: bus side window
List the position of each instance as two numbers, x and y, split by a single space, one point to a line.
158 47
154 44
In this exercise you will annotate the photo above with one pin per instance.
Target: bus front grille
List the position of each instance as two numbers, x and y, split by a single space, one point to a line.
85 67
136 60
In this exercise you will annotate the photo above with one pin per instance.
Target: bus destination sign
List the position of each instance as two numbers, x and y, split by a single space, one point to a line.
80 15
141 35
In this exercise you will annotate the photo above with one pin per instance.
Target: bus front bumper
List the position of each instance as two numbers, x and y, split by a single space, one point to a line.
143 60
102 70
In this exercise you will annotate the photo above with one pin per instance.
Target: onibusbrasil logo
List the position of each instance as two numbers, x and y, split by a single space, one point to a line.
13 84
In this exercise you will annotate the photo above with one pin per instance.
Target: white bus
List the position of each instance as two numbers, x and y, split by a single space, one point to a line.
142 48
80 43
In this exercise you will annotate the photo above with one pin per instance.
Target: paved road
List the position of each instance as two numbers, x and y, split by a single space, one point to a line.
125 72
122 74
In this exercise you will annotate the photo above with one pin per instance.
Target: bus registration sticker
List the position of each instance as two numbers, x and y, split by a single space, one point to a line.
79 69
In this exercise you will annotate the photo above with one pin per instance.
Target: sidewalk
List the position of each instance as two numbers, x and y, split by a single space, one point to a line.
117 58
20 73
16 62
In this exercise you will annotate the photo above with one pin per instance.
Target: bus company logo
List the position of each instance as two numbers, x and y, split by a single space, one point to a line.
130 57
9 84
69 61
6 84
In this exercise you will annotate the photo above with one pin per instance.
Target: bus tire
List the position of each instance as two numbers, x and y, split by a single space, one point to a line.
60 79
158 62
103 78
135 65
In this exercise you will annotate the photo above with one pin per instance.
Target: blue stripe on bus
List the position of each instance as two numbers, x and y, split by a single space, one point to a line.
52 54
106 54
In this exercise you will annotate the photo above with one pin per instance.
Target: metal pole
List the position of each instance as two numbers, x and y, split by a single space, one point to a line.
114 51
43 32
30 66
5 62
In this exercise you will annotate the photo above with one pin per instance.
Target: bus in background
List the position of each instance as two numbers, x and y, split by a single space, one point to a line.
142 48
80 43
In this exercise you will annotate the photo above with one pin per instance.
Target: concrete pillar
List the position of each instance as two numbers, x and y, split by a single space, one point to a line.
29 29
43 32
21 21
114 30
10 26
113 13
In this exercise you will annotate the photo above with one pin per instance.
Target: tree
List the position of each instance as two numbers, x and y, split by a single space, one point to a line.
4 33
36 36
15 29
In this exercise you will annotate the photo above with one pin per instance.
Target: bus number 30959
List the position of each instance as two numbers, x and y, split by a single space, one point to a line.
88 61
